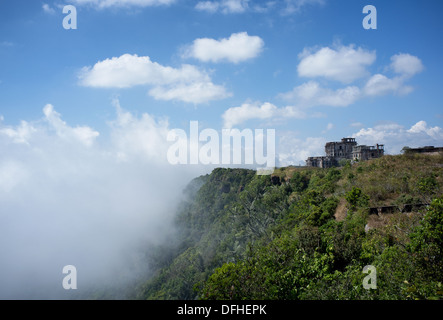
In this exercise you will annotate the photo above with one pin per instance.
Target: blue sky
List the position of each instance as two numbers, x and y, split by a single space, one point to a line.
85 113
41 63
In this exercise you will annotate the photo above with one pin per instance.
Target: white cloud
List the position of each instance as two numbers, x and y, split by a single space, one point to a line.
82 134
344 64
101 4
25 132
225 6
307 95
379 85
143 137
11 174
406 64
91 205
131 70
197 92
236 115
294 6
20 134
208 6
169 83
395 136
48 9
237 48
311 94
248 111
422 127
347 64
292 150
294 112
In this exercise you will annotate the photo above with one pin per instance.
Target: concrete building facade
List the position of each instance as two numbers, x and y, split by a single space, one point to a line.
346 149
424 150
362 152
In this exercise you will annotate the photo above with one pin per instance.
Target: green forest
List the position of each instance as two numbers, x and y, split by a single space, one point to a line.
306 234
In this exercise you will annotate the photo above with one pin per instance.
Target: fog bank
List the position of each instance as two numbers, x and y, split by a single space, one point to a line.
70 197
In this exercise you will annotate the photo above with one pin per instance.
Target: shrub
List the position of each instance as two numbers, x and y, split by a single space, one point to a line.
356 198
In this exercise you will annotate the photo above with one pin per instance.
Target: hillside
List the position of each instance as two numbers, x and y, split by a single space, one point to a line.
307 233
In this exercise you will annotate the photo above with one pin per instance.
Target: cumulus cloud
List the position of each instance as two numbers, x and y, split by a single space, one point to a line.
247 111
379 85
237 48
344 64
100 4
421 127
68 198
131 70
20 134
198 92
347 64
292 149
311 94
236 115
395 136
24 132
406 65
169 83
138 138
82 134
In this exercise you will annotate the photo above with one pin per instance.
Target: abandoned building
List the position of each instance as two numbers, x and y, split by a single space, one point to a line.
346 149
424 150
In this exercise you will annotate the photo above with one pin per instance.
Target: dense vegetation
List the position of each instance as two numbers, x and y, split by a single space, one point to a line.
306 233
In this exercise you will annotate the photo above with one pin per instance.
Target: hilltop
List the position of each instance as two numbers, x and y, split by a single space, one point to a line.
306 233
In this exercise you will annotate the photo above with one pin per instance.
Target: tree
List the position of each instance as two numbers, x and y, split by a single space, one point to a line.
405 150
299 182
356 198
427 241
428 186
